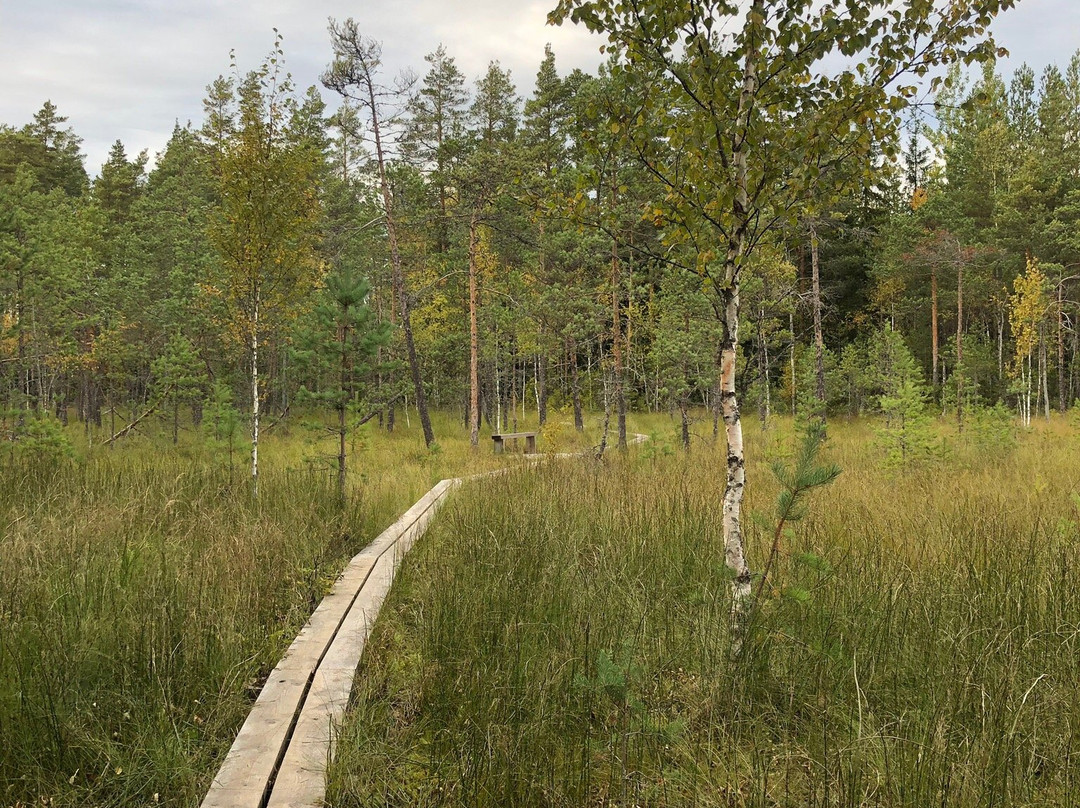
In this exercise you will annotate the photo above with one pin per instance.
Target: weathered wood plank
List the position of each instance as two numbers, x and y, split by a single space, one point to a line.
287 731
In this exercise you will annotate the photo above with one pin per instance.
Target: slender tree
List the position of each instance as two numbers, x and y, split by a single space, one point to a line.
354 74
753 125
266 228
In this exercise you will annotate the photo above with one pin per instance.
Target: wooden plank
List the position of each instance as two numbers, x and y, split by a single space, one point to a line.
301 780
308 691
316 672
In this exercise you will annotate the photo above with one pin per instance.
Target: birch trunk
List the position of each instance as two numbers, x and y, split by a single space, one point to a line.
255 394
735 484
734 554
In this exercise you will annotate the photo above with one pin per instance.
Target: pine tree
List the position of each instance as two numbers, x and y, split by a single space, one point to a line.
354 74
179 377
908 432
338 349
435 134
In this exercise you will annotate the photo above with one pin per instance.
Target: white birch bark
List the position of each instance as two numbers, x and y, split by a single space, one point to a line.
735 484
255 394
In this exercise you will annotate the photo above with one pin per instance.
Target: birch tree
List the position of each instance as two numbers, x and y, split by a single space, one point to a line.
266 228
755 121
1028 306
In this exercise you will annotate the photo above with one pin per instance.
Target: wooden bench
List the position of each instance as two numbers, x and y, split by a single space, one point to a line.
530 441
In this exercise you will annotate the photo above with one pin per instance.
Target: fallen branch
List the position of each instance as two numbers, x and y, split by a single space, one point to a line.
278 420
152 409
377 409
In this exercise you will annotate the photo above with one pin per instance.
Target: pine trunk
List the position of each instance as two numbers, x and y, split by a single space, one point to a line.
398 271
934 347
616 338
541 388
1061 347
819 337
342 406
960 346
575 387
474 340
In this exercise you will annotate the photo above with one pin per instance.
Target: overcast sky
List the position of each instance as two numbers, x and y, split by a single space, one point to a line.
129 69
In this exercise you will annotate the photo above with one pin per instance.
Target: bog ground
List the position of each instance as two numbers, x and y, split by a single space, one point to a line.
560 636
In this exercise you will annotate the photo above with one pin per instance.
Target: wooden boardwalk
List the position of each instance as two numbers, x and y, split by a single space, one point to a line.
280 755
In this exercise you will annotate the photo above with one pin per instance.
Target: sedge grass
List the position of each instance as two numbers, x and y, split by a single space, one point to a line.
560 638
144 595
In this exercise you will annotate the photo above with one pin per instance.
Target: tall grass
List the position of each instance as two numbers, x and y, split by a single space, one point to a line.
560 638
144 595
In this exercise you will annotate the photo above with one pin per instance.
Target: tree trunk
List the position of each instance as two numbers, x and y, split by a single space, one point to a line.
715 404
735 483
819 338
575 386
1044 376
541 388
398 269
513 393
474 340
766 412
934 347
255 394
959 345
343 405
1061 347
24 365
616 328
734 555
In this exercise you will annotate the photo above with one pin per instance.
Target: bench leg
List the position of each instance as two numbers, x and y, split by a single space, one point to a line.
530 444
498 446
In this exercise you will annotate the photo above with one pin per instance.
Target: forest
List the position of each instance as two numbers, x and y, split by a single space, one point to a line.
533 261
840 234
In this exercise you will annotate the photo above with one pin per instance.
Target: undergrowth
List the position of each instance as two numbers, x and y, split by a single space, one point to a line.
560 638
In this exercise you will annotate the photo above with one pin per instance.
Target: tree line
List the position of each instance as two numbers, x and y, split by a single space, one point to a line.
451 244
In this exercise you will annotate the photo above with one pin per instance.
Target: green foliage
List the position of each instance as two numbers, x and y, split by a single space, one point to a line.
797 479
338 341
37 437
222 424
908 434
991 429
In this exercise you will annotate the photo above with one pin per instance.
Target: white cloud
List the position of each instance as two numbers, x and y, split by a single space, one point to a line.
129 69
